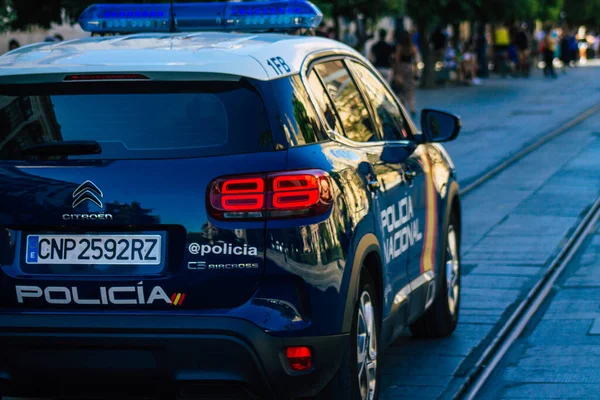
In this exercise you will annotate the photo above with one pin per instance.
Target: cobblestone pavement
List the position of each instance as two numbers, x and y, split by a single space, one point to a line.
513 224
559 357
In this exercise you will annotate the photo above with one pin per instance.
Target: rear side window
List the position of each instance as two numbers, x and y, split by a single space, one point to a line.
348 101
324 103
387 111
297 114
142 120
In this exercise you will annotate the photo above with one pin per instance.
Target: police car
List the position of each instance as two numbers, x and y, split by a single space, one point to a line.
205 200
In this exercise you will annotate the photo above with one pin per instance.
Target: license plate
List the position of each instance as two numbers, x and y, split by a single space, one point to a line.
94 249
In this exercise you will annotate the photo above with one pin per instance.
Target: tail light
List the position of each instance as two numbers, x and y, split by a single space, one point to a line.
275 195
299 358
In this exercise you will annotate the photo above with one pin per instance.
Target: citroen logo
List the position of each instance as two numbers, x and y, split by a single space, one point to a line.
87 191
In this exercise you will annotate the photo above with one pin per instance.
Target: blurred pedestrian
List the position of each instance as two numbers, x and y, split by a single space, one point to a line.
381 55
590 39
467 71
350 38
331 32
549 47
573 48
450 69
321 30
416 40
438 41
481 50
13 44
582 45
565 51
501 46
513 51
513 58
404 71
522 44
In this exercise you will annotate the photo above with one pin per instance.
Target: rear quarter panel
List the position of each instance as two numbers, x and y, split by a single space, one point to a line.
320 252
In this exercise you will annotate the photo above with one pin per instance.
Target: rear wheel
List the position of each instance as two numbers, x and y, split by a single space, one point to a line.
358 376
442 316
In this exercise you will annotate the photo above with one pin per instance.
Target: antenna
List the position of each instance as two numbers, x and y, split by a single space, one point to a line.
172 18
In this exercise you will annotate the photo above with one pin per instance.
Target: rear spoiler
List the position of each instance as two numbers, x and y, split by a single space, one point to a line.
36 78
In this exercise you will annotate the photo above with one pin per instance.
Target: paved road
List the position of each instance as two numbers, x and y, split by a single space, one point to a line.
559 357
513 224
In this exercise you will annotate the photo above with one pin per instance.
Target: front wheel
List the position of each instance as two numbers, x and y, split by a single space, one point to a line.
442 316
358 376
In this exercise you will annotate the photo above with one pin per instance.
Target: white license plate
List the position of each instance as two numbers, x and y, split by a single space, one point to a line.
94 249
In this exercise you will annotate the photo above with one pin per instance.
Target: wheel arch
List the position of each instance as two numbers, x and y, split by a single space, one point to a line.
368 253
452 205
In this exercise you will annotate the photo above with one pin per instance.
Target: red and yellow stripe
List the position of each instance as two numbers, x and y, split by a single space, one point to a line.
177 299
431 208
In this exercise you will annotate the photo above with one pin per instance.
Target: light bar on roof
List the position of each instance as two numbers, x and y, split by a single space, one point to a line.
186 17
276 14
126 18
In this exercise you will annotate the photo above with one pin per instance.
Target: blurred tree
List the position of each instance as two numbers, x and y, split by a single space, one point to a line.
443 12
582 12
429 14
369 10
550 10
42 14
7 15
506 10
456 11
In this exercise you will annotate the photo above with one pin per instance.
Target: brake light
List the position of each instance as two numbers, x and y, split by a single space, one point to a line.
274 195
105 77
295 191
243 194
299 358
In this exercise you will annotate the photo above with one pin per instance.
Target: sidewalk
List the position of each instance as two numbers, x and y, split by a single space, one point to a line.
503 115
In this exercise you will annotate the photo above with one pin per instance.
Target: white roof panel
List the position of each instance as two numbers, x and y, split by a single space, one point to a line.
258 56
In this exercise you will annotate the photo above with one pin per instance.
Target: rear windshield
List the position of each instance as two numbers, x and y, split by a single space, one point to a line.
141 120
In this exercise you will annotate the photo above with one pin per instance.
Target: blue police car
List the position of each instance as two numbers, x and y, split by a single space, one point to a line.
206 201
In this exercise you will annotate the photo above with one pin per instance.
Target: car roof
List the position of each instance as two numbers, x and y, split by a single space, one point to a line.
238 54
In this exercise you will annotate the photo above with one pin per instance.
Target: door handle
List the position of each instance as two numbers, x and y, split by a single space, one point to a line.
373 186
409 175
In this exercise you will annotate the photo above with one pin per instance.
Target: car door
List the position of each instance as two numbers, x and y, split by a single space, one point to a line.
384 179
419 235
397 216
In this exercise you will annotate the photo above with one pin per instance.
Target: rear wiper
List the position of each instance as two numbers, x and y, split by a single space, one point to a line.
66 148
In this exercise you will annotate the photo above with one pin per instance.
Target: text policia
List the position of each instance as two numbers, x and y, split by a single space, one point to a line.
399 222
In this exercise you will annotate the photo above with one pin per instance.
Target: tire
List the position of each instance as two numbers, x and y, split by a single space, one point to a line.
441 317
345 384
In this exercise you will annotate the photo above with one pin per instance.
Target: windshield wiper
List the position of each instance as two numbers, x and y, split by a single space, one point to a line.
66 148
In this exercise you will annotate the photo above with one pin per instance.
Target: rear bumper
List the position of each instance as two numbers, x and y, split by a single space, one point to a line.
48 354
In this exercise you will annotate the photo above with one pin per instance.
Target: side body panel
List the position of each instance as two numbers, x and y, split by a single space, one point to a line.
322 253
435 188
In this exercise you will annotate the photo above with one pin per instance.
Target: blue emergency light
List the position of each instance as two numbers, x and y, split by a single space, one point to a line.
186 17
